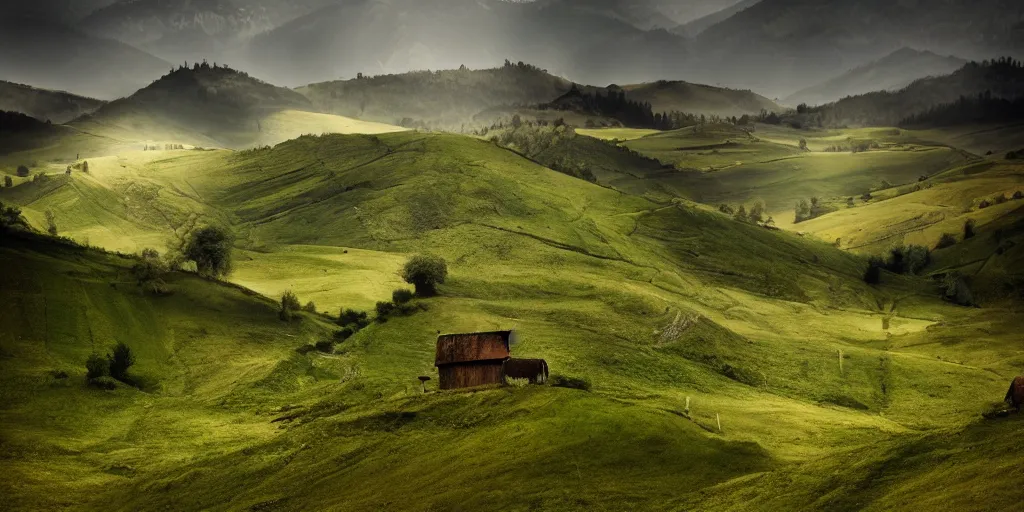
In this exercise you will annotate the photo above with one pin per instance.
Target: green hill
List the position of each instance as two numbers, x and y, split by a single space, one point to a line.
795 382
443 99
666 96
55 106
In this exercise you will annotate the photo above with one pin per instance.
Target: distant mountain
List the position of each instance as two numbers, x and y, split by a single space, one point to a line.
372 37
181 30
1000 79
63 11
894 71
202 105
699 99
55 106
442 99
695 27
779 46
51 56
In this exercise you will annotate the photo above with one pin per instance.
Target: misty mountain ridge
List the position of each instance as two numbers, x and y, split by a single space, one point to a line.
695 27
1002 78
43 104
787 45
892 72
48 55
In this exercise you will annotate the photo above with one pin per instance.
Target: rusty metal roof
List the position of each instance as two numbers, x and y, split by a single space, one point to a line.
468 347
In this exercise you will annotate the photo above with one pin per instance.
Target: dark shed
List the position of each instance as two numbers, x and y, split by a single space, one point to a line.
534 369
472 359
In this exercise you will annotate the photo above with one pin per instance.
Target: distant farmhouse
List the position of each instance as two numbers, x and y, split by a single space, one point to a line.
482 358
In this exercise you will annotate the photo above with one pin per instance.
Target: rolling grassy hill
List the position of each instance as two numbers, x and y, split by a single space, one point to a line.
699 99
215 106
55 106
656 303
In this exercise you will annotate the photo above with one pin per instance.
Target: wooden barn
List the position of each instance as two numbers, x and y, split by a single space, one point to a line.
536 370
473 359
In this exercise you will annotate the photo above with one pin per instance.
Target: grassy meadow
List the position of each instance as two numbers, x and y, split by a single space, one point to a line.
730 366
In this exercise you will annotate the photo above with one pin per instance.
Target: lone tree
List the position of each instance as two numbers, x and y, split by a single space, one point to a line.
290 306
210 248
120 360
23 171
425 272
51 223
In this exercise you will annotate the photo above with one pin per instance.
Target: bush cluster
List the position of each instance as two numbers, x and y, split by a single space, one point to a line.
103 371
290 306
562 381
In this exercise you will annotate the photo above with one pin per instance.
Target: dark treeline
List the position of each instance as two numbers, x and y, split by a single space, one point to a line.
982 108
634 114
1001 78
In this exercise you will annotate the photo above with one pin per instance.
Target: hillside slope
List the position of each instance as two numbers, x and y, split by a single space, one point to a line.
444 99
55 106
666 96
656 304
215 106
695 27
894 71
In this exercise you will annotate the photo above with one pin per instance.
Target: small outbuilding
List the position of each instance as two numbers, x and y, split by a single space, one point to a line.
471 359
536 370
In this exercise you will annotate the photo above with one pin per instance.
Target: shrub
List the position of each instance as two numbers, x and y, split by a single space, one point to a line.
803 144
873 275
957 290
8 182
344 334
96 366
384 309
310 307
289 306
1016 195
517 382
946 240
210 249
401 296
149 272
351 317
907 260
562 381
23 171
104 382
325 346
969 229
425 272
121 359
1000 199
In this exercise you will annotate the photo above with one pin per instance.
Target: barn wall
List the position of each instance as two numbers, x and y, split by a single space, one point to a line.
467 375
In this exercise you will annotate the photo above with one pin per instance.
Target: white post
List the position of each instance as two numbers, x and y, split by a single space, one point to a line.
840 361
719 420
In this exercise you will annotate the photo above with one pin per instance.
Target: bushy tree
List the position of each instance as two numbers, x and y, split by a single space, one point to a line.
401 296
741 214
803 145
149 271
96 366
353 318
290 306
957 290
969 229
873 275
51 223
23 171
121 359
946 240
210 249
757 212
425 272
384 309
310 307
